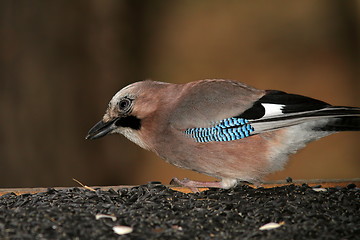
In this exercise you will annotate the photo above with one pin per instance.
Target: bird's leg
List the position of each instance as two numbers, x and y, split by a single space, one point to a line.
194 185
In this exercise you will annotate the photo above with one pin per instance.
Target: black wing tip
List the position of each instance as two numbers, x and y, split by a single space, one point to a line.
340 124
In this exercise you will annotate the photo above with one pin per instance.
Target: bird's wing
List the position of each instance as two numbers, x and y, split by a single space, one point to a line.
278 109
205 103
224 111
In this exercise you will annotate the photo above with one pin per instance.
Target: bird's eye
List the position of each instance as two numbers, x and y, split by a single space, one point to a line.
124 104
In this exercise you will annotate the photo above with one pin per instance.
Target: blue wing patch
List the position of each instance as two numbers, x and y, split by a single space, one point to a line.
228 129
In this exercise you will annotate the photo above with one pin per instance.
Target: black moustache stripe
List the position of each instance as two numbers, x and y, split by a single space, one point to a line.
130 122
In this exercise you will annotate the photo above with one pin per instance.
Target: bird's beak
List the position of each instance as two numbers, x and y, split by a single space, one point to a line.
101 129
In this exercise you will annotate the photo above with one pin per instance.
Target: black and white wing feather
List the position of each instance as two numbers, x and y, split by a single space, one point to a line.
277 109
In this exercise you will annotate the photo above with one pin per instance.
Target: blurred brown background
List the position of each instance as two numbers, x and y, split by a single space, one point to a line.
62 61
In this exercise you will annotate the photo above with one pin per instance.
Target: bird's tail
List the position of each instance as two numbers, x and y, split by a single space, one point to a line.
342 119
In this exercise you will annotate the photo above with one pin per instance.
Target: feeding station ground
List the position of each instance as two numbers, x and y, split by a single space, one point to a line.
277 210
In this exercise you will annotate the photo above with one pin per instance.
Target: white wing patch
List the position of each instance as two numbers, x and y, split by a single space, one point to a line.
272 109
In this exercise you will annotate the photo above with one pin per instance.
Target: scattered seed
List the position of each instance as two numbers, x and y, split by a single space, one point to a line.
319 189
122 230
271 225
99 216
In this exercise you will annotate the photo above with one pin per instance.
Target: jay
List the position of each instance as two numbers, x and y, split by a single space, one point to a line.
222 128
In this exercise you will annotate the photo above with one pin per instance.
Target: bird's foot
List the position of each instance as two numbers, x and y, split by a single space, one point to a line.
194 185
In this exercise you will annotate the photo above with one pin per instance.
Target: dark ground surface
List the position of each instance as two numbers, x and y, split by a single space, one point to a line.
156 212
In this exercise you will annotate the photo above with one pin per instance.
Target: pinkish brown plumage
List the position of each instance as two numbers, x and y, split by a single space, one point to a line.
221 128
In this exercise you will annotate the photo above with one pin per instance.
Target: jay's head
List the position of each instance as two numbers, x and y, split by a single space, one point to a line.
128 109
